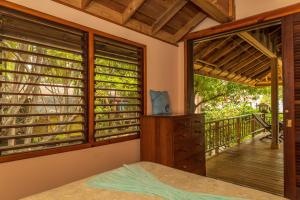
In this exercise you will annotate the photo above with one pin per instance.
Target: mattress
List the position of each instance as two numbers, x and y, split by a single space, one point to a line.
80 190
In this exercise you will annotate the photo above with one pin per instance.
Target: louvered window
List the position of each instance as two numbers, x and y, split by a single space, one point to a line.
43 83
118 89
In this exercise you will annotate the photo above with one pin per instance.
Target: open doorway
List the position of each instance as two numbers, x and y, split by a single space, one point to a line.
237 83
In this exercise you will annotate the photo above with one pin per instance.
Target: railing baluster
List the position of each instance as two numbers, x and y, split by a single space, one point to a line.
217 137
223 133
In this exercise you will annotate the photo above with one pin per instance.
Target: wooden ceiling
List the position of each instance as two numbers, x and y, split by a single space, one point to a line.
167 20
242 57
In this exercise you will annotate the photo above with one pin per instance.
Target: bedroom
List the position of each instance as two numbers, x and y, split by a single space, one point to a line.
165 71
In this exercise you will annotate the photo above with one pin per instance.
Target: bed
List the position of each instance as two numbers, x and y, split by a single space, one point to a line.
174 178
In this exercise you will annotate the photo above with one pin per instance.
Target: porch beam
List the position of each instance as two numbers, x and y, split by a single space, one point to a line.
132 7
274 103
216 10
256 44
167 15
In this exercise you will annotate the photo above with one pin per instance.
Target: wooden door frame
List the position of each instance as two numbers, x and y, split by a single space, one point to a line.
288 72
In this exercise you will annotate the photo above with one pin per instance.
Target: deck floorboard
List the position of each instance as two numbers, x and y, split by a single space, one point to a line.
253 164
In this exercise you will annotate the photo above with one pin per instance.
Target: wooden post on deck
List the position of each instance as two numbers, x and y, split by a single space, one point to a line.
252 126
217 137
238 130
274 103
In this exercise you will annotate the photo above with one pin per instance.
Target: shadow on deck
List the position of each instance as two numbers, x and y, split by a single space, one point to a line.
253 164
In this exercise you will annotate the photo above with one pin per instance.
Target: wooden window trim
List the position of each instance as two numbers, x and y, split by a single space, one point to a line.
91 32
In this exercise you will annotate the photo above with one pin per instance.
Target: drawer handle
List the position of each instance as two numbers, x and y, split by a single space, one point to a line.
183 150
184 166
183 135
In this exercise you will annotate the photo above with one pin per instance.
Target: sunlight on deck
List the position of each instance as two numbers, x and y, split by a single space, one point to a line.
253 164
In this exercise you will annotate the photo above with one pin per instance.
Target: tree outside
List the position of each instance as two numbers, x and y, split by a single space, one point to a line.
221 99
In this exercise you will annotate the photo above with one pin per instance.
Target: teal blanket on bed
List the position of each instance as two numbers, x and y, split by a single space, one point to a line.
135 179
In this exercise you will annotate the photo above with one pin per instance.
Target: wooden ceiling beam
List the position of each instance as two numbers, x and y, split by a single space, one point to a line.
246 62
215 75
262 74
266 84
248 70
261 69
244 57
256 44
197 19
215 10
231 56
85 3
225 51
205 51
214 46
132 7
168 15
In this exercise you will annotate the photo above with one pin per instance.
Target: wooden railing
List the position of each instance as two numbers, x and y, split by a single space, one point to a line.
225 133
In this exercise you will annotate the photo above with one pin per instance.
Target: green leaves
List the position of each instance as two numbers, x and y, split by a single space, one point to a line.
221 99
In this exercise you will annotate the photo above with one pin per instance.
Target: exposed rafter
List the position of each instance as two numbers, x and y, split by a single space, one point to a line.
85 3
167 15
241 57
257 44
197 19
132 7
214 10
205 52
168 20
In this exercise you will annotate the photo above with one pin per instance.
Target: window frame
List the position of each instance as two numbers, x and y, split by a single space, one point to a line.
90 85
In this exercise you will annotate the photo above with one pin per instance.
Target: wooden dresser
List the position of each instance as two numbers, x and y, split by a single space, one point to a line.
174 140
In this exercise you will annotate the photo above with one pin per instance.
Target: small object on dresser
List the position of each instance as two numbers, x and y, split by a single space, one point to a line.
160 102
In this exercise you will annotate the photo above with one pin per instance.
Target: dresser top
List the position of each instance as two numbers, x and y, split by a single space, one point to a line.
174 115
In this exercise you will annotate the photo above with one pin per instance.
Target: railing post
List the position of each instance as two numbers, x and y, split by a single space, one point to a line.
238 130
217 137
252 126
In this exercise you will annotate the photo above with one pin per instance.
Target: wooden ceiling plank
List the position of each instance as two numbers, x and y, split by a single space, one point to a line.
246 62
85 3
231 56
197 19
264 68
168 15
262 74
243 57
252 66
204 51
213 10
225 51
132 7
212 47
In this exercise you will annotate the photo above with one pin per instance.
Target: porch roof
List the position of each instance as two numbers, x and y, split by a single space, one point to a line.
243 57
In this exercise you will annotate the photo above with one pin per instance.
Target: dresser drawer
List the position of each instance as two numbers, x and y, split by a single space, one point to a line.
194 165
187 126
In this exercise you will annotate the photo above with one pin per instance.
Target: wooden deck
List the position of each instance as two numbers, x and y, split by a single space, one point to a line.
252 164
